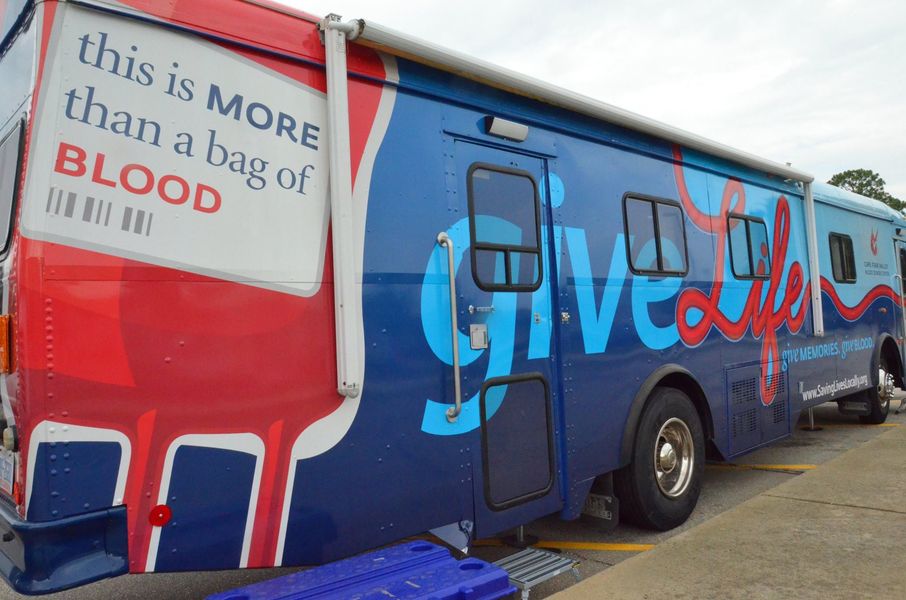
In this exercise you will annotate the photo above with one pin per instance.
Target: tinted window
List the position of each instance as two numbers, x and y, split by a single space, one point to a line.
739 242
656 235
843 261
9 171
903 271
504 218
640 230
750 254
758 242
672 238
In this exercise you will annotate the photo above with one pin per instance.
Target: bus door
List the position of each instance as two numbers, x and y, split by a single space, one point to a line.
900 287
504 314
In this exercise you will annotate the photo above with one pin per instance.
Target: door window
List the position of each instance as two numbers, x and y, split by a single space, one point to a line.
517 446
504 215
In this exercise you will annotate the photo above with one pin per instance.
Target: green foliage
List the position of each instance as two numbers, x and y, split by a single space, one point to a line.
867 183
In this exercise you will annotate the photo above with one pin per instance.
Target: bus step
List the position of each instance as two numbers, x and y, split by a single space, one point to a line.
534 566
413 571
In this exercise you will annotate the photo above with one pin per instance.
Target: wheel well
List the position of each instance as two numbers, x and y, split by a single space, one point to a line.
690 387
677 377
890 352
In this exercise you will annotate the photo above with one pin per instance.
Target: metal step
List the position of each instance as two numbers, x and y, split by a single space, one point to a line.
534 566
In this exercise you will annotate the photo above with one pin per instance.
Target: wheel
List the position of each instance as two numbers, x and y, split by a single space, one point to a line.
879 397
660 487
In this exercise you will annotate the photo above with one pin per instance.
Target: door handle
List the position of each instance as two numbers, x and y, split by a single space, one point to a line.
445 242
480 309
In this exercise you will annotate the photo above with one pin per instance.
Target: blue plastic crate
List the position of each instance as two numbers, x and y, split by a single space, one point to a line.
413 571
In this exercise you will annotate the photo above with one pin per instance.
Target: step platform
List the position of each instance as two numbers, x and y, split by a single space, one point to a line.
412 571
534 566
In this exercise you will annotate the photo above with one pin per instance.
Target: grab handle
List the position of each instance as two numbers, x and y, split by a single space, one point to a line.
444 240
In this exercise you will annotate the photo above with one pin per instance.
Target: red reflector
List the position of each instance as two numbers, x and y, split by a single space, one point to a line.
160 515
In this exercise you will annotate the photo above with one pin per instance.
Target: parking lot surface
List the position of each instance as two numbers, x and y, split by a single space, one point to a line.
726 486
835 532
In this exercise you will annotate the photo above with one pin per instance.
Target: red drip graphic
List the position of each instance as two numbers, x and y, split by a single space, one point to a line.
851 313
758 314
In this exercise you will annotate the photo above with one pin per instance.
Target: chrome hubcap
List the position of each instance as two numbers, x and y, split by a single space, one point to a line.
885 388
673 457
667 457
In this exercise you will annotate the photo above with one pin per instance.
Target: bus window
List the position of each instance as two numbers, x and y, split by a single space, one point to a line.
843 261
903 271
758 248
750 254
9 175
655 236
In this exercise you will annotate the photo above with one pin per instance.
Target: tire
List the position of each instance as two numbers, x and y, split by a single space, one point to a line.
879 396
644 501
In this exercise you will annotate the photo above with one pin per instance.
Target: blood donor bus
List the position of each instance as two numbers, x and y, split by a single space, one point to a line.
278 289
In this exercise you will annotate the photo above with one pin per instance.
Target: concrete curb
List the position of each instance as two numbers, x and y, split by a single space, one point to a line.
836 532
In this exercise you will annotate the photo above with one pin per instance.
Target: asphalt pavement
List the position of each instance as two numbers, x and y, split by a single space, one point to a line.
835 532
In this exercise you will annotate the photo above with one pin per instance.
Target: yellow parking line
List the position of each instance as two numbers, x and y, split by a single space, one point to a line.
485 543
763 467
857 425
558 545
601 547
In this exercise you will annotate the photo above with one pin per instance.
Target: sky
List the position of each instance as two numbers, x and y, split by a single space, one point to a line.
817 83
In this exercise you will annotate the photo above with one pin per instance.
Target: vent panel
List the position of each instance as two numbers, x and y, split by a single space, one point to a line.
750 422
777 385
745 422
744 391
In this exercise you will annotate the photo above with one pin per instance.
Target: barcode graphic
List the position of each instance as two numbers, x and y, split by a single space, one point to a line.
137 221
97 211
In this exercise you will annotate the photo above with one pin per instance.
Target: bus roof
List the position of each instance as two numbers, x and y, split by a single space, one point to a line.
834 196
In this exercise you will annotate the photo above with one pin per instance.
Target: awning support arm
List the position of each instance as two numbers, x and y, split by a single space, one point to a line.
811 234
346 298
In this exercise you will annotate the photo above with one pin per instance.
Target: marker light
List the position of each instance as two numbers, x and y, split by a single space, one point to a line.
4 345
10 439
160 515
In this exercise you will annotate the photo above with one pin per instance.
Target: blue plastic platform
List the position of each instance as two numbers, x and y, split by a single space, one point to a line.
413 571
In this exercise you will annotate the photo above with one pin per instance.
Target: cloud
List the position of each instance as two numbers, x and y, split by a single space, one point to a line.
818 84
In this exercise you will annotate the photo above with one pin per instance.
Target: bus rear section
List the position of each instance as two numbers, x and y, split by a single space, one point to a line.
20 540
172 350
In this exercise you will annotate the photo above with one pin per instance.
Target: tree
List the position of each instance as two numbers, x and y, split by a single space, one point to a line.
867 183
